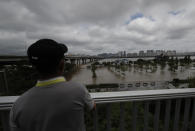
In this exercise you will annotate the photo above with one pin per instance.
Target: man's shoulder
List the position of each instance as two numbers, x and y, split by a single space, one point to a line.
23 97
61 88
75 86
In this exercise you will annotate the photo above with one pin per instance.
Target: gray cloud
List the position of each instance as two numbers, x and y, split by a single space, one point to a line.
92 27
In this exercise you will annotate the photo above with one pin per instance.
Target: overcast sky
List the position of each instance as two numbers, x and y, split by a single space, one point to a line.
97 26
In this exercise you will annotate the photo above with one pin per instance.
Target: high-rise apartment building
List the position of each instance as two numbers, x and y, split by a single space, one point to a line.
141 53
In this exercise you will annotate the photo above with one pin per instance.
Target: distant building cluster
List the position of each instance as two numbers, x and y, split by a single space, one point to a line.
157 53
147 53
142 53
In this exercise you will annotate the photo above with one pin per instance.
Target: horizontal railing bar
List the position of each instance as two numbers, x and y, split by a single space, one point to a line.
5 108
122 96
98 95
8 99
141 99
6 105
149 96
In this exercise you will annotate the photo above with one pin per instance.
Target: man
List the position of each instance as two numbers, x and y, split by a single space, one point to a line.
52 104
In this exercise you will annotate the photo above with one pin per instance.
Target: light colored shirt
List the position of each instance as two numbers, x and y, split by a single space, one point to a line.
52 105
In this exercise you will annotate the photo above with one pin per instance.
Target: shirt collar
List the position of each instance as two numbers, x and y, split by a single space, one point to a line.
51 81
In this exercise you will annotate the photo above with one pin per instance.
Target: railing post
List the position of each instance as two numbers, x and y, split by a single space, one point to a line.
156 116
95 119
186 114
192 127
108 110
146 112
177 115
167 115
5 120
122 122
134 115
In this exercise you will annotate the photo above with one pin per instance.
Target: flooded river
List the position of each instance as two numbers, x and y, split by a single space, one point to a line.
130 74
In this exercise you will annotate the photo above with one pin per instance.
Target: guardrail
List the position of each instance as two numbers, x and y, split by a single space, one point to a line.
183 120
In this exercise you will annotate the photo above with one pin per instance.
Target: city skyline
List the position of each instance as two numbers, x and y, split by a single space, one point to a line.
139 53
94 27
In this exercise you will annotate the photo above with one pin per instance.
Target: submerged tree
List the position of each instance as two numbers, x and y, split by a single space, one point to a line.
93 68
173 64
185 61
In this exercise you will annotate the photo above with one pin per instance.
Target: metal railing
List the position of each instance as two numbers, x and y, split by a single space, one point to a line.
168 109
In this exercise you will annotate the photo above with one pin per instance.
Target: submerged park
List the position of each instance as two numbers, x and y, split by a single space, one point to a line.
166 72
148 110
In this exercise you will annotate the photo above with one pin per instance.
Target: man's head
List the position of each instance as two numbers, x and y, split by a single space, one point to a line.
46 55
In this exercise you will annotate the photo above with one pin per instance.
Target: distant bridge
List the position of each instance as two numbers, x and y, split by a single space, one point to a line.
78 60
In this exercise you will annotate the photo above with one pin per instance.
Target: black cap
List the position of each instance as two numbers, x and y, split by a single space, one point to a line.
46 52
